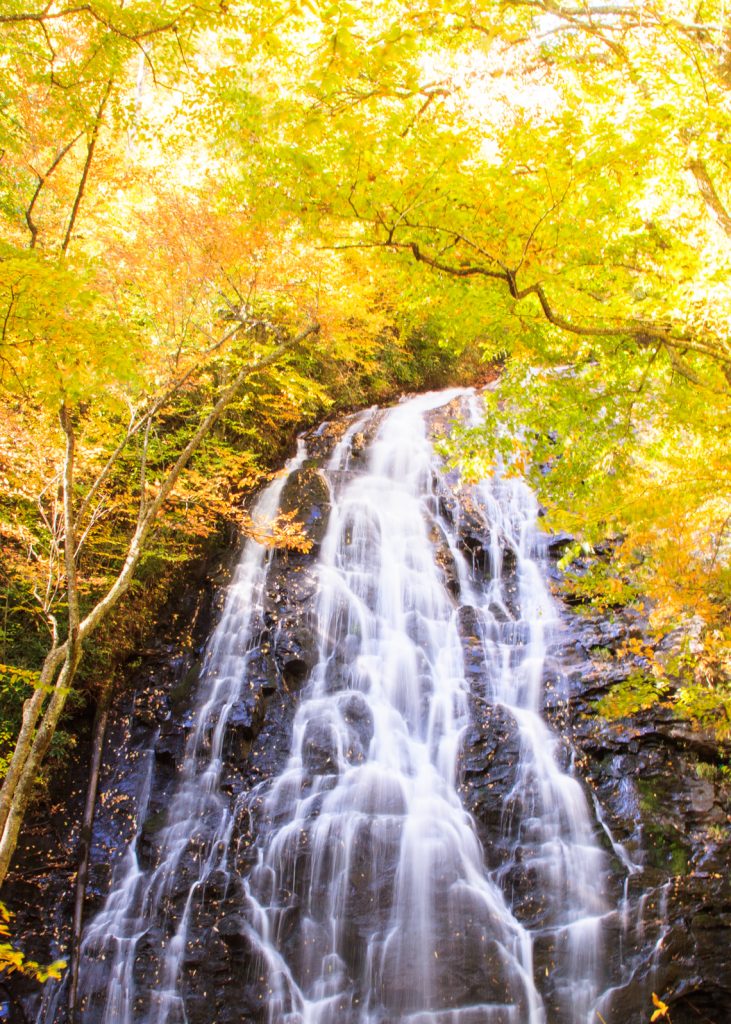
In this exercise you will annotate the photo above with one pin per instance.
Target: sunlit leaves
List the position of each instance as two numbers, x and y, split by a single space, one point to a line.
283 533
12 959
263 164
61 338
638 692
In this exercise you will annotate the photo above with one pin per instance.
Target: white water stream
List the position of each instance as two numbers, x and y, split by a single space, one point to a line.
370 902
111 941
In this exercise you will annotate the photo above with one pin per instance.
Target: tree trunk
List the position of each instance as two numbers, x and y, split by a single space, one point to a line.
87 165
99 733
31 713
710 196
38 750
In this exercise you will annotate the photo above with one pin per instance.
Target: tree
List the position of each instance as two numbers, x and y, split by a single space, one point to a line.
76 337
59 667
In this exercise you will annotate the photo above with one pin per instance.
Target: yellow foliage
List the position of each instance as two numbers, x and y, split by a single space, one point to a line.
283 533
11 959
662 1010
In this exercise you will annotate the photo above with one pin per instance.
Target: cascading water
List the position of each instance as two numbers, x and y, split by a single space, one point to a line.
369 900
199 821
555 848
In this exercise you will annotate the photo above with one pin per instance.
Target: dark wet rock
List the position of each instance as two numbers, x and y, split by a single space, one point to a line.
362 438
507 564
243 724
294 649
320 748
441 419
668 808
702 742
170 746
216 885
487 772
557 543
473 631
473 544
289 647
358 444
307 494
152 825
294 673
321 441
444 558
445 503
656 782
358 716
246 715
11 1011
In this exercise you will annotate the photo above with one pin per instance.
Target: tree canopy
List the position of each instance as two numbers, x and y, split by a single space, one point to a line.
220 220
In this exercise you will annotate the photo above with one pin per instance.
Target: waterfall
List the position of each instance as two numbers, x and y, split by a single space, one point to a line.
370 898
198 823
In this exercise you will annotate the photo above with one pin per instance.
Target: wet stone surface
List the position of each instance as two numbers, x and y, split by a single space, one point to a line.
662 797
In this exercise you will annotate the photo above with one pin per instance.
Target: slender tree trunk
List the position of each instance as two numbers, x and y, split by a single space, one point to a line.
32 226
38 750
32 748
69 524
99 733
31 713
709 194
87 165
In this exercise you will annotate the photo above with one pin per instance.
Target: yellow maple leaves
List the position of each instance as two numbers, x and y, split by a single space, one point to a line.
11 959
283 533
662 1009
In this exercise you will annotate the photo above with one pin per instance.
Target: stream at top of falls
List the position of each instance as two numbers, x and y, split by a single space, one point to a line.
369 898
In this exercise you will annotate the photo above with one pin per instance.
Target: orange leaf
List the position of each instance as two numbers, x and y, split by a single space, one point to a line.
662 1008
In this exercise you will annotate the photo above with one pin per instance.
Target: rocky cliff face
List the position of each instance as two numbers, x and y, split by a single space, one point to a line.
660 792
661 803
662 807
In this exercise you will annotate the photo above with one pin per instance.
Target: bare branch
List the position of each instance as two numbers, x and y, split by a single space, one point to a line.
87 164
135 548
710 197
46 14
109 466
137 422
143 471
69 522
643 333
42 179
95 517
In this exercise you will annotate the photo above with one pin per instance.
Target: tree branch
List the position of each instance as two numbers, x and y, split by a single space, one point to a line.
42 179
134 551
143 471
87 164
46 14
69 524
642 332
710 197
